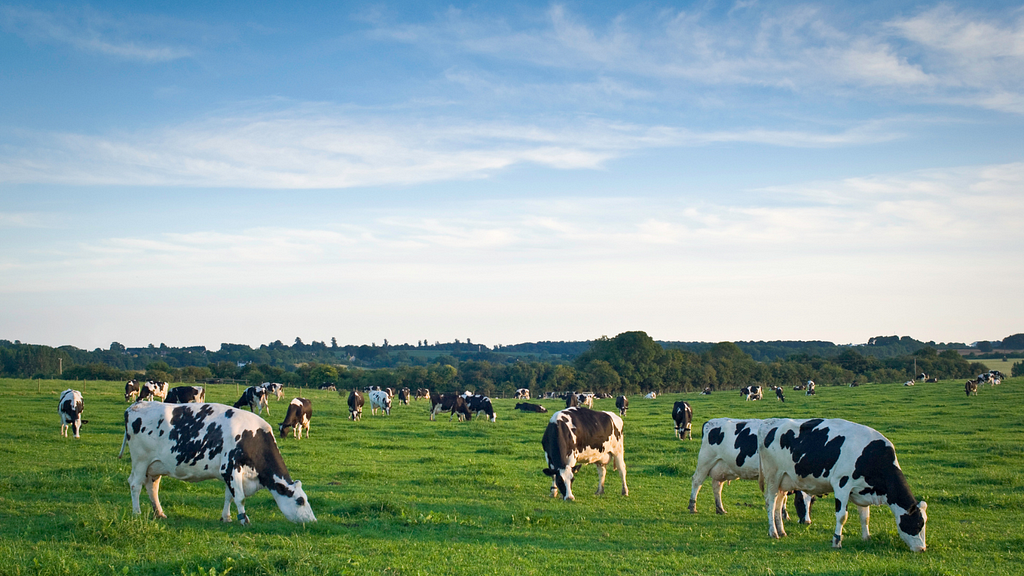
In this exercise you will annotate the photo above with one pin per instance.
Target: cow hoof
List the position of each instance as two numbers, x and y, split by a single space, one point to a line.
160 515
625 492
720 511
692 509
226 519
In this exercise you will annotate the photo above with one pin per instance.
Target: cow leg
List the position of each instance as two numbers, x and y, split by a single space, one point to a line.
153 490
554 487
135 486
771 494
785 501
237 490
64 430
678 435
225 516
620 463
841 516
865 515
689 433
716 488
601 471
780 506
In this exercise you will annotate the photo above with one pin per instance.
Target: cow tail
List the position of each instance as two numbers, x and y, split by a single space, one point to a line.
123 444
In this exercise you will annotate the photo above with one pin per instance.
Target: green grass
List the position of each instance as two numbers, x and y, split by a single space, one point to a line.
403 495
1004 366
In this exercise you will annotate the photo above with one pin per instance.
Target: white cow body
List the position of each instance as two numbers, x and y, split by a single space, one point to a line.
380 399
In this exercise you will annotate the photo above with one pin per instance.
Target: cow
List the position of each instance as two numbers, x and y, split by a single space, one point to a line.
571 399
853 461
932 379
622 403
390 392
586 399
255 398
70 406
922 376
755 393
300 410
478 403
522 394
195 442
798 387
971 387
186 394
810 388
152 389
422 394
778 394
329 387
579 436
651 395
728 451
683 416
403 396
355 405
131 390
856 384
907 383
527 407
449 403
275 388
706 391
379 399
745 391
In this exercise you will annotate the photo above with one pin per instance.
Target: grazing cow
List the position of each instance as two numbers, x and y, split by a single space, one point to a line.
778 394
275 388
855 462
651 396
131 390
527 407
745 391
522 394
971 387
422 394
728 451
683 416
380 399
403 396
579 436
622 403
255 398
300 410
571 399
477 404
152 389
586 399
196 442
452 403
755 393
70 407
810 388
355 405
329 387
186 394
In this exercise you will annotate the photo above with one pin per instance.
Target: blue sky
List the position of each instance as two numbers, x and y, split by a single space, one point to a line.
180 173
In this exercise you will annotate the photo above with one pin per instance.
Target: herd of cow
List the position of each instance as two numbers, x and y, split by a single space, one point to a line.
186 438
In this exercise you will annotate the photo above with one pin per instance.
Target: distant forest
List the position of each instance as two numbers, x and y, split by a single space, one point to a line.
631 362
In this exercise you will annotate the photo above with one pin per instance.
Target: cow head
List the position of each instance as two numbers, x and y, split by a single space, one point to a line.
294 504
563 480
911 524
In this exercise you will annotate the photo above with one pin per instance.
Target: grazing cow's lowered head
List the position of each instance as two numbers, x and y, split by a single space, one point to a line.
255 397
622 403
449 403
682 414
70 408
300 411
578 436
195 442
477 404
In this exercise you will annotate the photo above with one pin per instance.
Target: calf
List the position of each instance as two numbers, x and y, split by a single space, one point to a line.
855 462
683 416
355 405
522 394
186 394
477 404
622 403
380 399
527 407
70 407
579 436
196 442
971 387
449 403
131 390
728 451
300 410
255 398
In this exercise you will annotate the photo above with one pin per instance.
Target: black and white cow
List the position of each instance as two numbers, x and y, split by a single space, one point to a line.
151 390
579 436
755 393
329 387
527 407
853 461
355 405
186 394
706 391
422 393
449 403
683 416
478 403
571 399
403 396
131 390
622 403
971 387
70 407
379 399
275 388
255 398
728 451
778 394
586 399
522 394
651 395
810 388
196 442
300 410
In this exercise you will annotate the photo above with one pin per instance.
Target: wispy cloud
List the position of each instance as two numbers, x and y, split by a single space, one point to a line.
90 31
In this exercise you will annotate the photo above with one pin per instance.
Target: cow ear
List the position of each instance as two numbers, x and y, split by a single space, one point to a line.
298 484
922 505
549 472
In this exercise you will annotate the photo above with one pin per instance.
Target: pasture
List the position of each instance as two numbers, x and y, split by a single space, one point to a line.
403 495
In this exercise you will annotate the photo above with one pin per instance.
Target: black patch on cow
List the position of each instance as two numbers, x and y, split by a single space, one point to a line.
257 450
229 413
716 436
190 444
746 443
877 465
592 429
912 522
839 505
161 433
770 437
300 501
137 425
843 481
813 453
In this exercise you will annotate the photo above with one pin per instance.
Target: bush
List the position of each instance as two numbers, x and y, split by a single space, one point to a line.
1017 369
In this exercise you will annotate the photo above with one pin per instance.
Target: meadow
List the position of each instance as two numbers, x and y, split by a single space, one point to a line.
404 495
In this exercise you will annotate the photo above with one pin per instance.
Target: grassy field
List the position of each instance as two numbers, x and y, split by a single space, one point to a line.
1003 366
403 495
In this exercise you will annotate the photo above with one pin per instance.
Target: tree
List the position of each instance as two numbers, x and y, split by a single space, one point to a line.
322 373
599 376
1017 369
